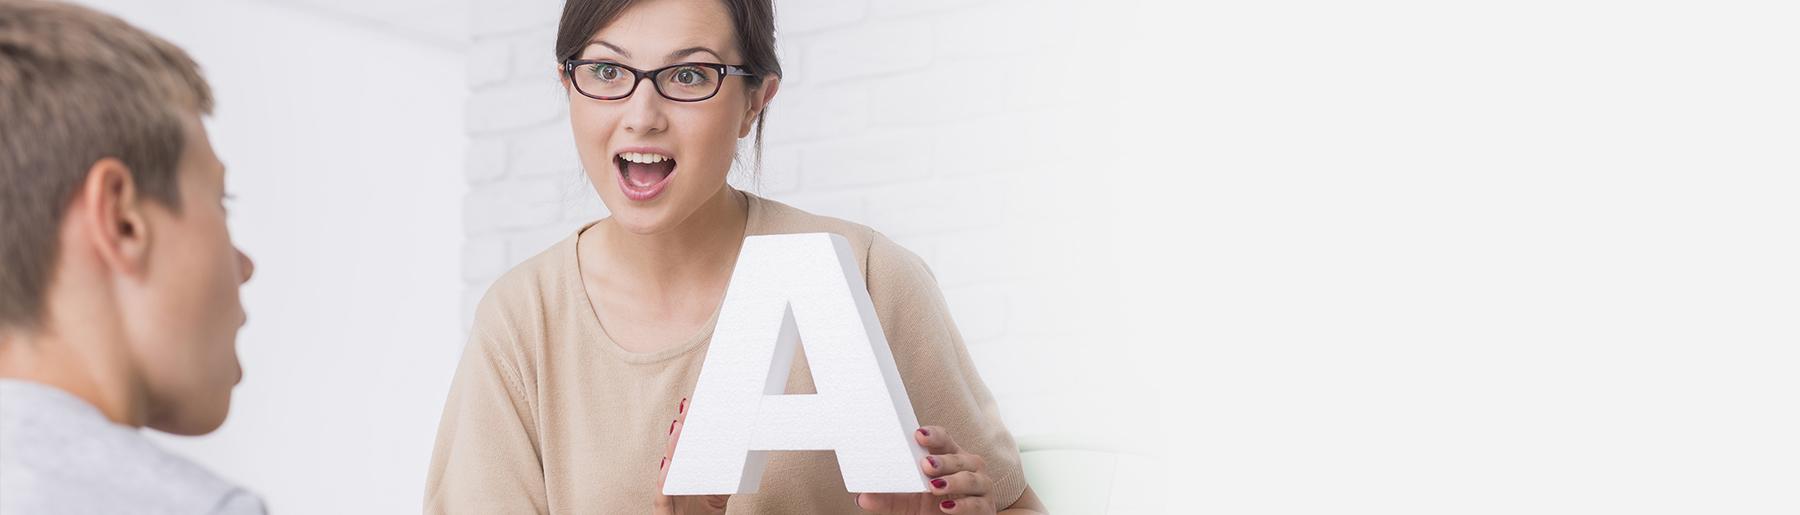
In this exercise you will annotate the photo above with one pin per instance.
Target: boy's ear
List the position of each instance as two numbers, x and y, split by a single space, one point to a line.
109 208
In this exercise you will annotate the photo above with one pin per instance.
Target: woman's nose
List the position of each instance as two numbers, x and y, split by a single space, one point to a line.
644 110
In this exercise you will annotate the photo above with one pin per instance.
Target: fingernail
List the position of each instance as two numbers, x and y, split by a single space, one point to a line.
683 407
924 432
948 504
665 462
671 427
932 460
939 483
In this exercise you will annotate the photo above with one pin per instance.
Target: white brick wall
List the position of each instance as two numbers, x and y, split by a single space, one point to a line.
919 119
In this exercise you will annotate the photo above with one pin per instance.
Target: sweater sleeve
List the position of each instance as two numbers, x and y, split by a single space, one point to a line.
939 375
486 459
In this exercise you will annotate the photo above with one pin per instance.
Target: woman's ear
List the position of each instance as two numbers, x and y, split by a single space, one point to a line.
110 211
759 100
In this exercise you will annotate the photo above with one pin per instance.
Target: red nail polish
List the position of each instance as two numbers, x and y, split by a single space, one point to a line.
948 504
932 460
671 427
939 483
683 407
924 432
665 463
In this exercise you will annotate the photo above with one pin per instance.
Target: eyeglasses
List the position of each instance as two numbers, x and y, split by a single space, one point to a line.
683 82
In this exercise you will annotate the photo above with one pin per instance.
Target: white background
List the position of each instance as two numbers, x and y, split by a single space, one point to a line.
1321 257
1495 257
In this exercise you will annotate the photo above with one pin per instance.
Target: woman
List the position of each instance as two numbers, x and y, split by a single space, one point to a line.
581 358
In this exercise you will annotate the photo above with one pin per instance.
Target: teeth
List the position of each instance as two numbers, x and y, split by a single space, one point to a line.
643 158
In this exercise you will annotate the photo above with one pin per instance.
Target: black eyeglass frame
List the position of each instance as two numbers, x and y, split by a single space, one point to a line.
638 76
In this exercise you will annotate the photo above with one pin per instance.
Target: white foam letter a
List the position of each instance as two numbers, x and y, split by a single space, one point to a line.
800 289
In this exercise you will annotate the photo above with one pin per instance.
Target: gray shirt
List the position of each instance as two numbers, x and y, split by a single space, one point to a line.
59 454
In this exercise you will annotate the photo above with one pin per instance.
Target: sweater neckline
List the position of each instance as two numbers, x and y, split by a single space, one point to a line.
590 316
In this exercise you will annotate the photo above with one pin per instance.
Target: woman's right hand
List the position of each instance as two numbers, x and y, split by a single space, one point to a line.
683 504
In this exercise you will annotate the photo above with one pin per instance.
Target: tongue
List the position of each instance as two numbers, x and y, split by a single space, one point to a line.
644 176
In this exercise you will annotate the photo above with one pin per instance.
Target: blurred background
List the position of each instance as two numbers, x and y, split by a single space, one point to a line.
1234 257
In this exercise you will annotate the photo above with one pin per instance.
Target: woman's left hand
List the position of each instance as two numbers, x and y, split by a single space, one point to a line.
959 483
682 504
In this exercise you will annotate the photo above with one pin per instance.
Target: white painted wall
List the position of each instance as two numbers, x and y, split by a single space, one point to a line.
344 147
1471 257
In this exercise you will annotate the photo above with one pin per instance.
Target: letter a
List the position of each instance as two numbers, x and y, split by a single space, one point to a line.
788 290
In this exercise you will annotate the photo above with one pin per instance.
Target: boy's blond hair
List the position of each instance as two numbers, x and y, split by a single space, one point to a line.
78 86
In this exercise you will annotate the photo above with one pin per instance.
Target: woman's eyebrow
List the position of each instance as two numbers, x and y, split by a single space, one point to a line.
615 48
678 54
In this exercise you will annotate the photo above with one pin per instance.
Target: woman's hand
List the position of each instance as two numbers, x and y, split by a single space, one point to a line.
682 504
959 483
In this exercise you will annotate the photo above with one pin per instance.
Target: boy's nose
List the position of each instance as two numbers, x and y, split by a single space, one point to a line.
246 267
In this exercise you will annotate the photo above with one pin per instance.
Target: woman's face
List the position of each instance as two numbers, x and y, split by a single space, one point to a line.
653 160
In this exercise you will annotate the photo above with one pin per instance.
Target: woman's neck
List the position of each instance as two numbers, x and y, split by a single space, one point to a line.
701 249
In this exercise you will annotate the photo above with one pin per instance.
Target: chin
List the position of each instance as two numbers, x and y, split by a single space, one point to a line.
640 221
647 218
195 418
195 427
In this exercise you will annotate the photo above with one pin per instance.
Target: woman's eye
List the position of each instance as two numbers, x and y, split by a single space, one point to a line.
606 72
689 77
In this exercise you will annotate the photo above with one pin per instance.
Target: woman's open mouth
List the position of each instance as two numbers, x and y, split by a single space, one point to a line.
643 175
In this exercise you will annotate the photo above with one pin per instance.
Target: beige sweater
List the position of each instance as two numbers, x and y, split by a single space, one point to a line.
548 415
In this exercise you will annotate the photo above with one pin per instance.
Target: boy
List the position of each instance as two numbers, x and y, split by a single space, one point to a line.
118 280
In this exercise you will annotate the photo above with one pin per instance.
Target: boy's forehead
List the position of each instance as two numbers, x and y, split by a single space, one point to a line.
197 151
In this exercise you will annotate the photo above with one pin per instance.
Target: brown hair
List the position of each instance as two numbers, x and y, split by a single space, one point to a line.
754 21
78 86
